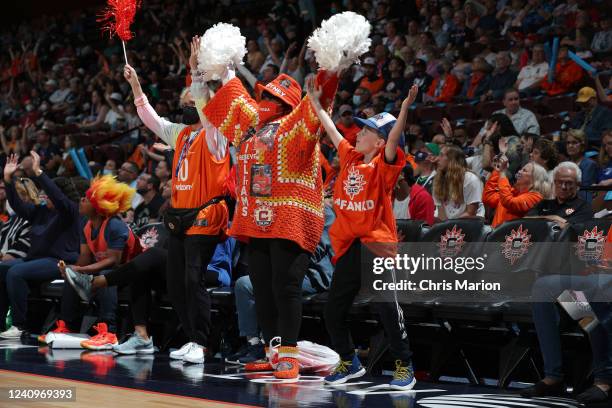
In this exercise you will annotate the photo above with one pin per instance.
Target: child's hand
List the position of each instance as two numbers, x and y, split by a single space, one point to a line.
412 95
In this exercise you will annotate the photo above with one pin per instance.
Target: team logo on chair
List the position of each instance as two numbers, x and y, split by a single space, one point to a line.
263 215
451 243
150 238
590 245
354 183
516 245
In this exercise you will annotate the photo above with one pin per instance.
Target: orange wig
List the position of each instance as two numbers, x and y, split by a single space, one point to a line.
108 196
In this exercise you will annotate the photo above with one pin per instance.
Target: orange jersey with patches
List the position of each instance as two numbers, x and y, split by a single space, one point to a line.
198 177
279 186
362 199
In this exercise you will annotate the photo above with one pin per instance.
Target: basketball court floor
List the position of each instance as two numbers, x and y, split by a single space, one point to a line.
103 379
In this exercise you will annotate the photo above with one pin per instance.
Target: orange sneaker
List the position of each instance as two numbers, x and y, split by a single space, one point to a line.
266 364
101 341
60 327
102 361
288 367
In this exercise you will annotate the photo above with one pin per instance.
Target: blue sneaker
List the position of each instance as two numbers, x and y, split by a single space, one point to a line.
403 377
346 370
135 345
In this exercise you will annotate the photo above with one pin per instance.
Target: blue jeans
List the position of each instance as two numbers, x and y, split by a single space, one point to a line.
14 278
106 300
245 305
598 290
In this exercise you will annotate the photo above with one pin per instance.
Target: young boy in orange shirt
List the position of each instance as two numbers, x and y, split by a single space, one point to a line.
364 214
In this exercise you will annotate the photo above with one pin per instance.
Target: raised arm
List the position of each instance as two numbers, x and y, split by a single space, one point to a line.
248 75
61 203
162 128
314 94
24 210
400 124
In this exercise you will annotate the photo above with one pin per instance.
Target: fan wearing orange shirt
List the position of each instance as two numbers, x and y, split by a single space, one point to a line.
198 217
364 214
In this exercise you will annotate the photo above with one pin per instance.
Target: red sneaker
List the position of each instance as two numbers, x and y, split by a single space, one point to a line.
101 341
266 364
60 327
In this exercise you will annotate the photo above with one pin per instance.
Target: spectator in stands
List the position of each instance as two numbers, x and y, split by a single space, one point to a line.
604 95
97 112
346 124
576 145
361 100
254 58
567 75
15 143
444 87
128 174
371 80
148 210
412 201
524 120
15 230
531 75
54 235
527 141
49 152
426 166
396 85
602 40
457 192
604 178
110 167
460 36
503 77
566 207
435 28
162 172
545 154
593 118
511 202
420 78
478 82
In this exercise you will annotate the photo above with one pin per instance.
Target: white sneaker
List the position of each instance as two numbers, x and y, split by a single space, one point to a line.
12 333
178 354
195 354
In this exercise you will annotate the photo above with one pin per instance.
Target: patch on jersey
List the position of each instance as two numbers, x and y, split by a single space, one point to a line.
263 215
149 239
516 244
354 183
264 138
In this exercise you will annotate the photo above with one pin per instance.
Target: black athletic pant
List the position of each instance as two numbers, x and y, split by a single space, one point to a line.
145 272
345 285
277 268
188 258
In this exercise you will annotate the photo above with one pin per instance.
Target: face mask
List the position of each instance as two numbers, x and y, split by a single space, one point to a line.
142 191
268 110
107 172
190 115
44 107
356 100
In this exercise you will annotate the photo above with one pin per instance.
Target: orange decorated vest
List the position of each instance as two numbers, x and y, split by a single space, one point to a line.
279 185
198 177
99 247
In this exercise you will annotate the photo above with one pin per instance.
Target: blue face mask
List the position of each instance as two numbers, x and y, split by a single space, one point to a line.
43 202
356 100
107 171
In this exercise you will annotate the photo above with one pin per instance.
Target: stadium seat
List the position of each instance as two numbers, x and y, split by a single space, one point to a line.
411 229
460 111
550 124
558 104
430 113
473 127
485 109
586 243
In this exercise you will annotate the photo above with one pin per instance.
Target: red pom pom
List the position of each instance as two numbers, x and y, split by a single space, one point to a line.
118 16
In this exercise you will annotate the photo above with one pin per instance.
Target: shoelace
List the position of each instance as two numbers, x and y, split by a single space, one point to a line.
342 367
401 373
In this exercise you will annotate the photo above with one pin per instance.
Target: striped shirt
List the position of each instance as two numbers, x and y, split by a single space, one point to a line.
15 237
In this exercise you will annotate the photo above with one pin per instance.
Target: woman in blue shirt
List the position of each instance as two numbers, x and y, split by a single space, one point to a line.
575 144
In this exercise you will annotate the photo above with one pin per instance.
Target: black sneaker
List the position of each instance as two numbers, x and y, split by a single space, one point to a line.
541 389
593 395
254 353
233 358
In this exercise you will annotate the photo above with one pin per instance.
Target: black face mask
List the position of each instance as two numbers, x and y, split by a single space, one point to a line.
142 191
190 115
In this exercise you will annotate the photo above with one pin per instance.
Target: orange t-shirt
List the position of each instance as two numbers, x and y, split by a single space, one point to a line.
197 178
566 76
362 199
349 132
373 86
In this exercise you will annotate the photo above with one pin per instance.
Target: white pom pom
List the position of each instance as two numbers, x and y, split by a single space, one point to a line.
221 45
340 41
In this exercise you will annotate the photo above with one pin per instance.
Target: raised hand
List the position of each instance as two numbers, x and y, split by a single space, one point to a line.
491 130
195 50
447 129
412 95
130 75
313 93
35 162
10 167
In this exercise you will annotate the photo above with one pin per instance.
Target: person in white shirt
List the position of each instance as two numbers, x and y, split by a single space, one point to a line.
457 192
59 95
524 120
532 74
